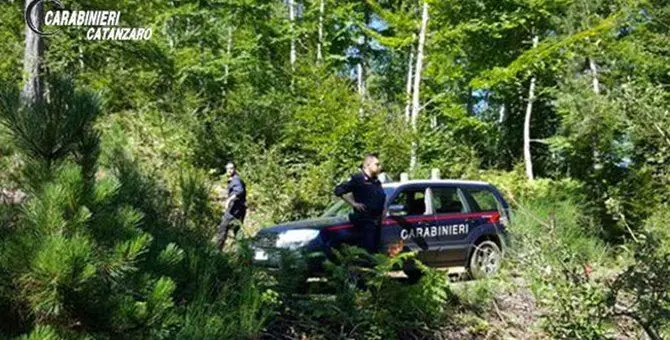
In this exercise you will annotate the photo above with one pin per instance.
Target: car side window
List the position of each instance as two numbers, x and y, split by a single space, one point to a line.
413 200
484 200
447 200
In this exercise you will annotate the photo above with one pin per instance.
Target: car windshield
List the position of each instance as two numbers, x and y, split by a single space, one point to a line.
341 208
337 208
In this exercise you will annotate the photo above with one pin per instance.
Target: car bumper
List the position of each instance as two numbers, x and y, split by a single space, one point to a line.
277 258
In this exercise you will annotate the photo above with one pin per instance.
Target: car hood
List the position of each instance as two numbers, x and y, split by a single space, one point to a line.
312 223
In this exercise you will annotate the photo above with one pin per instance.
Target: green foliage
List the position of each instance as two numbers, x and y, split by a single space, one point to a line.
590 123
536 226
61 266
555 248
112 239
453 151
546 49
516 188
367 302
577 308
656 225
42 333
48 130
227 299
557 251
11 38
100 263
641 291
476 296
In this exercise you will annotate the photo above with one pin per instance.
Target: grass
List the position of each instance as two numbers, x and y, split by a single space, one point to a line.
554 230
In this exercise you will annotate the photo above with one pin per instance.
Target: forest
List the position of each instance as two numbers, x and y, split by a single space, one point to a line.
112 156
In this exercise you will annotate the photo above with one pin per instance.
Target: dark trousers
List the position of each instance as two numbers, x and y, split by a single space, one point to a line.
369 230
229 221
369 234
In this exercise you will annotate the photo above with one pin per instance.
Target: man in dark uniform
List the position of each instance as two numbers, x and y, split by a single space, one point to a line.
235 206
365 194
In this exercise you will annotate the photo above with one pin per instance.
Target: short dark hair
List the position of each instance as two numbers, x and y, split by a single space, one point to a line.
367 157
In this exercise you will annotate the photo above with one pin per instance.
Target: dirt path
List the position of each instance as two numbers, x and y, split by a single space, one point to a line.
512 313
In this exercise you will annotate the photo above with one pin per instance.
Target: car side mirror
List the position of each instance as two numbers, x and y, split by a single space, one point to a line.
397 210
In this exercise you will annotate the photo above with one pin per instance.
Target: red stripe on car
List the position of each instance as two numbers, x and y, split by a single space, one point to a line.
340 227
491 218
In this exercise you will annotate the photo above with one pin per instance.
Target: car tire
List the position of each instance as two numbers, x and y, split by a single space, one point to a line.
485 260
414 274
303 286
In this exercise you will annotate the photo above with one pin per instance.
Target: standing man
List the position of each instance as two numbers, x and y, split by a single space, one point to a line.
365 194
235 206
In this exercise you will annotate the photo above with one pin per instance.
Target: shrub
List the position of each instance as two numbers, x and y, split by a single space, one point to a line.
538 227
575 306
555 247
112 252
642 291
517 188
368 303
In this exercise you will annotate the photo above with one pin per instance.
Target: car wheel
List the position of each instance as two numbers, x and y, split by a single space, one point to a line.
414 274
485 260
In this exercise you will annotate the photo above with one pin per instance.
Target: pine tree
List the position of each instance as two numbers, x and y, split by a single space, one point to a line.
74 258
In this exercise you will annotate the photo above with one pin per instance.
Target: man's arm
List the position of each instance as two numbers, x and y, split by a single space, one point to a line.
349 198
344 191
229 201
237 190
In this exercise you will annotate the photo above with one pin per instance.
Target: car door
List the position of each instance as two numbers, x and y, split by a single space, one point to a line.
454 222
490 214
398 225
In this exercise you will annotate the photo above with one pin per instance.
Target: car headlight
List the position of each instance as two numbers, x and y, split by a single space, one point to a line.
293 239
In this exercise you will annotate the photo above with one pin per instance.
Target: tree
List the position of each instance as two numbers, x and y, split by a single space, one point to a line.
291 18
417 80
33 54
319 47
526 124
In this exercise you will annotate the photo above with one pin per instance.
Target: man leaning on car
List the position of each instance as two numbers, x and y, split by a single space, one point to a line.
365 194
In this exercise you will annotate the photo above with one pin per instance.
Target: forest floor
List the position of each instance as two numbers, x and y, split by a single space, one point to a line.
513 313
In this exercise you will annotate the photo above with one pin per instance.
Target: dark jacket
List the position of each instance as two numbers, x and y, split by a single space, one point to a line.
367 191
236 187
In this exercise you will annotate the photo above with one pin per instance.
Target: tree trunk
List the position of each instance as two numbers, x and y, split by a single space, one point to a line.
229 47
322 9
363 51
360 80
226 67
597 161
408 93
594 72
291 18
526 124
651 332
417 82
471 104
501 114
361 85
32 57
